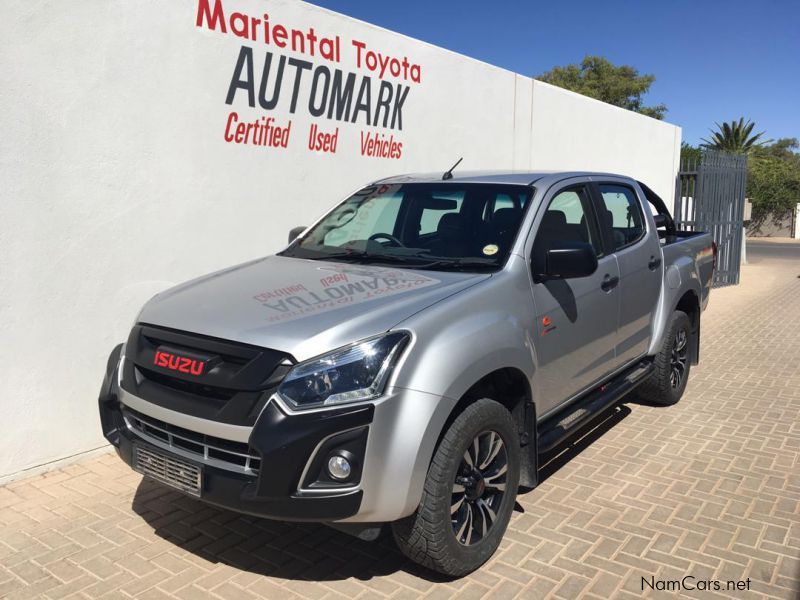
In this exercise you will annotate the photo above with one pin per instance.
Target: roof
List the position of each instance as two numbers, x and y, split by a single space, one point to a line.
507 177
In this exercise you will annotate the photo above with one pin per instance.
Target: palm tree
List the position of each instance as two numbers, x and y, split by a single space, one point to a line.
734 137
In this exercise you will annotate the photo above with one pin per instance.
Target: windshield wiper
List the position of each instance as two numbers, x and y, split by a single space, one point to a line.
365 257
460 264
411 260
353 255
431 262
368 257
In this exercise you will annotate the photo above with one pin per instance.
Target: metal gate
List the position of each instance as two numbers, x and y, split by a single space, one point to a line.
709 196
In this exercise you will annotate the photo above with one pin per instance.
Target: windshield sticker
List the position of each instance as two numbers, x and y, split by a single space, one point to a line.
343 287
490 249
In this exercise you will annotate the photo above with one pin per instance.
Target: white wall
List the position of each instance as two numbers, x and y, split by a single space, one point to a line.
797 221
573 131
117 182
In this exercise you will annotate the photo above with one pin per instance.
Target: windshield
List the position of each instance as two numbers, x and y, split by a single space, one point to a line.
439 226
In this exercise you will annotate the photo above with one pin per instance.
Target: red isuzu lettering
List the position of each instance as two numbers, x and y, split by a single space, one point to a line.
182 364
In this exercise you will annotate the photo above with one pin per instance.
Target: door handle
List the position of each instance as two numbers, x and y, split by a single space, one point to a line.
654 263
609 283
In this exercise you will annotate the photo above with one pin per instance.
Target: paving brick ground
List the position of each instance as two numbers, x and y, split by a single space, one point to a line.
709 488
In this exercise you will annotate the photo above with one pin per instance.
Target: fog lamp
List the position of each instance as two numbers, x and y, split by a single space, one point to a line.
339 467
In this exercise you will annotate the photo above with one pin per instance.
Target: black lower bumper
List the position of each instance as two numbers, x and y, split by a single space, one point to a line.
238 492
285 444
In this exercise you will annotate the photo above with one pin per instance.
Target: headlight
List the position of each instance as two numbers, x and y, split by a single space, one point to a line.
351 374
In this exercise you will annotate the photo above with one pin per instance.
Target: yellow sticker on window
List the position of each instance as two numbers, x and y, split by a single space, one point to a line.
490 249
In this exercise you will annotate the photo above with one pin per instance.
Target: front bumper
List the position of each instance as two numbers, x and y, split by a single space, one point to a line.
391 439
284 444
241 492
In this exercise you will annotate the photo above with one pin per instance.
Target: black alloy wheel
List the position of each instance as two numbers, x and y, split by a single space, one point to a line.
479 487
679 358
469 493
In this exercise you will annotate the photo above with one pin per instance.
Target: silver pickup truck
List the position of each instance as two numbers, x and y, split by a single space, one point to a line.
413 356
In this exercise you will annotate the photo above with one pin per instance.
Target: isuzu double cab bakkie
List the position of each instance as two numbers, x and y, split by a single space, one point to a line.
411 357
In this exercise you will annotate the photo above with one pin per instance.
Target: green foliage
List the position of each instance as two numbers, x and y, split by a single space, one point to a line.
690 155
599 78
734 137
781 148
773 178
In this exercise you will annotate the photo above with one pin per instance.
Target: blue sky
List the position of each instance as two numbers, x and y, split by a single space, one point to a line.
713 60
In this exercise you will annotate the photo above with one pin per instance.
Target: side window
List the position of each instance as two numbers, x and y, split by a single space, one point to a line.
568 218
623 214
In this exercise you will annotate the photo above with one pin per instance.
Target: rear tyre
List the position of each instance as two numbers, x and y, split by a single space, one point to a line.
469 493
672 364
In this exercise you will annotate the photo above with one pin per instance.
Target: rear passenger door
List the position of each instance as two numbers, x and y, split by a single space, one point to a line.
638 253
576 318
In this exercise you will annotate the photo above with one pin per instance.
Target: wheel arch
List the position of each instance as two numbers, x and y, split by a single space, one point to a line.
681 294
689 303
510 387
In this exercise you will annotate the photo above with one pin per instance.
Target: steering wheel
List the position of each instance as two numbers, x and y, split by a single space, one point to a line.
387 236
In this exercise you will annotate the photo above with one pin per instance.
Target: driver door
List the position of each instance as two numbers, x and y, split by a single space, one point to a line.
576 318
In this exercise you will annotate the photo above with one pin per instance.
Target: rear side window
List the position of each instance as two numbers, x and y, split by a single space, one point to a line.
622 215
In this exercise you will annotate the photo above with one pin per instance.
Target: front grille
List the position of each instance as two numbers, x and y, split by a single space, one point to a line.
216 452
168 469
190 387
233 387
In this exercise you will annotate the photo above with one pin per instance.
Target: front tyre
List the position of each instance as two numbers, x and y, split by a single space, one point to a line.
672 364
469 493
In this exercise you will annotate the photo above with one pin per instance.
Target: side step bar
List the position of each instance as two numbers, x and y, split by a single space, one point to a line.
559 427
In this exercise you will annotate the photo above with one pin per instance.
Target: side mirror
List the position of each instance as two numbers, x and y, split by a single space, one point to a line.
296 231
661 221
571 259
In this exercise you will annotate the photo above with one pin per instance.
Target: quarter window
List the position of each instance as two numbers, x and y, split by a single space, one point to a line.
622 215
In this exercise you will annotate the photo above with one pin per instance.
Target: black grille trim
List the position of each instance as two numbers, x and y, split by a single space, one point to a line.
234 390
190 387
225 454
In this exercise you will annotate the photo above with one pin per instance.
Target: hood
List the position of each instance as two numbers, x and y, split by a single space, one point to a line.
303 307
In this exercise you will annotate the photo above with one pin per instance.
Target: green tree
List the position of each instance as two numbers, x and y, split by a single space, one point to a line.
781 148
599 78
690 155
773 179
736 137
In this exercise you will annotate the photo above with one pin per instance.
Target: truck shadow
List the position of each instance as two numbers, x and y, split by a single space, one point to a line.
297 551
551 462
305 551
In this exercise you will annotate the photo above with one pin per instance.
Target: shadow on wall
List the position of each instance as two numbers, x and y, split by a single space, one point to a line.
772 225
304 551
